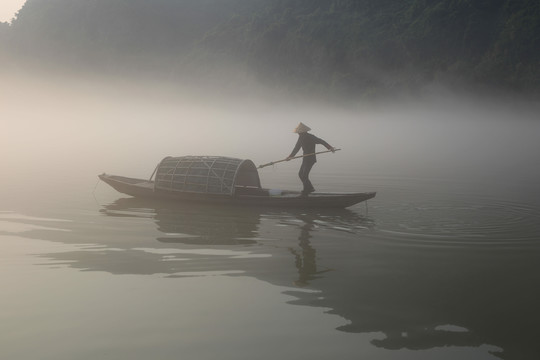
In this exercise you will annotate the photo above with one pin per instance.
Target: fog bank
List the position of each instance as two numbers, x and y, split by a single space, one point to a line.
79 127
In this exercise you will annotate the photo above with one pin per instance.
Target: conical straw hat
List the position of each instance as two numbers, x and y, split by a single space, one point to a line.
301 128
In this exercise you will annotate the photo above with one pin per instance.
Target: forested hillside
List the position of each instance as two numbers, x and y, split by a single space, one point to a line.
388 43
339 46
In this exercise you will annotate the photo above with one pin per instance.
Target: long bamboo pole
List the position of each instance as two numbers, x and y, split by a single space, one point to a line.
296 157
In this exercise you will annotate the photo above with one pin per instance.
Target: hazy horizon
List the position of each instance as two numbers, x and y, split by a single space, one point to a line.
91 125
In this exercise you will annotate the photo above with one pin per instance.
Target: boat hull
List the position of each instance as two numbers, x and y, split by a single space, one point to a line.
145 189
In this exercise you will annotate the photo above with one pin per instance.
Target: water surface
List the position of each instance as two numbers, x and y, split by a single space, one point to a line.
442 264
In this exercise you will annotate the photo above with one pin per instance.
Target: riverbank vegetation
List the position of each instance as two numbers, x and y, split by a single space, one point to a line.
344 47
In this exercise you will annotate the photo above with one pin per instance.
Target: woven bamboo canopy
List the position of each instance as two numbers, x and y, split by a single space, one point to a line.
205 174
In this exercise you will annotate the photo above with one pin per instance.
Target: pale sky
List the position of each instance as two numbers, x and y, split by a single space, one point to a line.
8 8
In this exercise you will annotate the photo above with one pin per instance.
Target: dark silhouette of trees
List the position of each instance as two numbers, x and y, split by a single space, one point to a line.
352 46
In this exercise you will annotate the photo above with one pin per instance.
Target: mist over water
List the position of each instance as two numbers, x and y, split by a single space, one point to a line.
439 265
83 126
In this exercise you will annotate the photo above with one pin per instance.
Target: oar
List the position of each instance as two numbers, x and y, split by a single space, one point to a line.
296 157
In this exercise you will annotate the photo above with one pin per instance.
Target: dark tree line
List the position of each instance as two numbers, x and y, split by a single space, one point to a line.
353 46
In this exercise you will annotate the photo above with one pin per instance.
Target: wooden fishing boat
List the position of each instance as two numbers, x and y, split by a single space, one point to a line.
222 180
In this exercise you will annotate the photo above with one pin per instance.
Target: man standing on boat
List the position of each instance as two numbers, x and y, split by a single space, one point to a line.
307 142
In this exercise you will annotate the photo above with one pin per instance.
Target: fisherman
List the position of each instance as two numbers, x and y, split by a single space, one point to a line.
307 142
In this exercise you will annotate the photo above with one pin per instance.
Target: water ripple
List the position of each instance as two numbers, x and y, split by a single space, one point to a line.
463 221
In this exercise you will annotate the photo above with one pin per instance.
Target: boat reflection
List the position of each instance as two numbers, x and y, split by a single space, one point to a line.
194 224
416 297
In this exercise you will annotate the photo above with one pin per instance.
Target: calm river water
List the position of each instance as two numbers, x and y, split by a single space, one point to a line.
435 267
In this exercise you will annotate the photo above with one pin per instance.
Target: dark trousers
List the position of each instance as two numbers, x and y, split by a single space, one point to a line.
304 174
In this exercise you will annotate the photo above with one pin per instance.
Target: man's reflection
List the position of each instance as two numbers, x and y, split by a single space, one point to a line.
305 259
407 293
